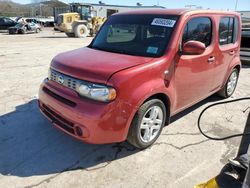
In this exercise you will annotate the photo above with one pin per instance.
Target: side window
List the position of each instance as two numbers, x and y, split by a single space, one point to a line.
228 30
198 29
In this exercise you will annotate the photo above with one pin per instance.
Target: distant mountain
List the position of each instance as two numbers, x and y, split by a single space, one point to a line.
44 9
9 8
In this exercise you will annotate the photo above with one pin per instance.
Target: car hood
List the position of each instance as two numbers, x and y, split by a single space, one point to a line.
16 27
94 65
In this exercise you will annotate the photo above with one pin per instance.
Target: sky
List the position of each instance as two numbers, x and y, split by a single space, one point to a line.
212 4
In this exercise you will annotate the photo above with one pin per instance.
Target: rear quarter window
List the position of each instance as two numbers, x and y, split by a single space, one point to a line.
228 30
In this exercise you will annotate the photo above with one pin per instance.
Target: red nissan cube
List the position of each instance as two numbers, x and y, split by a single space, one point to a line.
143 67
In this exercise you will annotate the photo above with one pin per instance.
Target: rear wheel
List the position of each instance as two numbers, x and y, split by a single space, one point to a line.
81 31
230 85
22 31
38 30
147 124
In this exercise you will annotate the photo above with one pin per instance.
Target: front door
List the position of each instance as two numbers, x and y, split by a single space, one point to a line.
194 73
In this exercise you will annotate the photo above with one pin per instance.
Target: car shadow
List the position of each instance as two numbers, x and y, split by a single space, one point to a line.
30 146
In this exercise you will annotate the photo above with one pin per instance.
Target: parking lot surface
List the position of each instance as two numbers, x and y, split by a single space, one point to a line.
35 154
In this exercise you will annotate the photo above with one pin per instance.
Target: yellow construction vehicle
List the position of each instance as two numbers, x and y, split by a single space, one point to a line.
80 21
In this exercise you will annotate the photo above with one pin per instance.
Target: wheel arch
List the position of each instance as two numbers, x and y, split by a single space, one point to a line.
238 67
234 64
160 96
78 22
165 99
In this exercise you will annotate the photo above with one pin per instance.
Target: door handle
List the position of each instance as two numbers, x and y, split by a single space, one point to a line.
211 59
232 52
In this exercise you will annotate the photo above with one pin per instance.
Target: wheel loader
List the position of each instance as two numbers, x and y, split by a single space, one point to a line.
80 21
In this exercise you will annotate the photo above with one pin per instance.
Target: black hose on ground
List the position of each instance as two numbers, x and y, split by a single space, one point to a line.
227 137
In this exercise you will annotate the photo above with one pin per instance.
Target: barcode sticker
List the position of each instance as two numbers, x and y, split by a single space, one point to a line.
163 22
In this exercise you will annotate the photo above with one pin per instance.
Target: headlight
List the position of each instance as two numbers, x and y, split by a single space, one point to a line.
97 92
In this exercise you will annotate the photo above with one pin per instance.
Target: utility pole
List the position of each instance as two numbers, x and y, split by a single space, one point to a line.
40 9
236 5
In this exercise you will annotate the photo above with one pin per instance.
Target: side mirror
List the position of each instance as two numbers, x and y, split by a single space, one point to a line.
193 48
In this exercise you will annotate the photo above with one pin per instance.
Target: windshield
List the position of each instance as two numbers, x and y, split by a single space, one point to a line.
85 11
139 35
81 9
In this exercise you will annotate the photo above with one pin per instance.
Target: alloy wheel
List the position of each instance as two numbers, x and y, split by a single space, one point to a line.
232 82
151 124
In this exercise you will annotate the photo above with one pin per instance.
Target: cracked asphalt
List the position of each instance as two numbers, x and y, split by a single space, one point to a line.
35 154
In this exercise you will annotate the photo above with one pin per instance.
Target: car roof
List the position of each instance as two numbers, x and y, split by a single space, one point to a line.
179 12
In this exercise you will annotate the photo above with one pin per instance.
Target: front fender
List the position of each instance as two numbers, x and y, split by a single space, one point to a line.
145 91
134 86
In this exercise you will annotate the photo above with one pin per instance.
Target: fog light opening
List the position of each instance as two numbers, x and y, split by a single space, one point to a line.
79 131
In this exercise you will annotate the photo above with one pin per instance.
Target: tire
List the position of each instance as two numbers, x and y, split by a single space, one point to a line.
21 31
38 30
142 133
230 86
81 31
70 34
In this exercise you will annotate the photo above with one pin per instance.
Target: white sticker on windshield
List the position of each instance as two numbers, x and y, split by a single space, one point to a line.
163 22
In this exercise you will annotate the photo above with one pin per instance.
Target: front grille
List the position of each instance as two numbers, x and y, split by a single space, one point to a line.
64 80
58 120
58 97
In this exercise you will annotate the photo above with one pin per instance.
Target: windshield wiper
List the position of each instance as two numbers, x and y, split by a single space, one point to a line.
115 51
97 48
119 51
106 49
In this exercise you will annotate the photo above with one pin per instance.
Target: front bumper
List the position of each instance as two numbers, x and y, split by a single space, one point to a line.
99 123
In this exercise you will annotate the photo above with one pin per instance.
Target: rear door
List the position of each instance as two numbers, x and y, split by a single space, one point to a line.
194 73
228 48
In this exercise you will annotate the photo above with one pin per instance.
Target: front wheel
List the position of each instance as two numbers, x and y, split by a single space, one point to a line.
147 124
81 31
230 85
